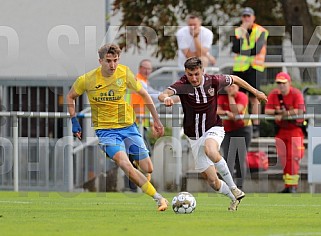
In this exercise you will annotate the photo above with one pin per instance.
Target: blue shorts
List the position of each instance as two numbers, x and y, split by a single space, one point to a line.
126 139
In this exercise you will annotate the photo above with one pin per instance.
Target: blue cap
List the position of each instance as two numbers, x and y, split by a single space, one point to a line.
248 11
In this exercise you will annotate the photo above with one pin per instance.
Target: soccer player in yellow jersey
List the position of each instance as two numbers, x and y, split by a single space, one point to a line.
114 119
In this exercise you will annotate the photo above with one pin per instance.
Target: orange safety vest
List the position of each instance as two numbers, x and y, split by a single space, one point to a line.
138 103
242 62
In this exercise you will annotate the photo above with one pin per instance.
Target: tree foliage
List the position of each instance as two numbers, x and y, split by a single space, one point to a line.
149 22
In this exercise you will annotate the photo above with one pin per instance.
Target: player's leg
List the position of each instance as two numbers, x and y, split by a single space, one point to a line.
138 151
112 142
213 140
136 147
220 186
139 179
206 167
145 166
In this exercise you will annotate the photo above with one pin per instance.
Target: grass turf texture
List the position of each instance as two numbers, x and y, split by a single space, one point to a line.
42 213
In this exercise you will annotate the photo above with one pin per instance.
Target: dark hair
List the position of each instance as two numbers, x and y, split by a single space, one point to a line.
109 49
192 63
194 16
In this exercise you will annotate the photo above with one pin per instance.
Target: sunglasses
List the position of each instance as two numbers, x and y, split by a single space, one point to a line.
281 82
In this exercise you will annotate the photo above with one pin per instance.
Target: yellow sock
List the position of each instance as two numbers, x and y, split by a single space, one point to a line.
149 189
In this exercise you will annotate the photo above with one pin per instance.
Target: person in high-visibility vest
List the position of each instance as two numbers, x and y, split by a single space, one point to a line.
249 45
285 101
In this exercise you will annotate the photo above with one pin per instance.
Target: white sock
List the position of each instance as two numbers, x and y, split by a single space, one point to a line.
226 191
223 170
157 196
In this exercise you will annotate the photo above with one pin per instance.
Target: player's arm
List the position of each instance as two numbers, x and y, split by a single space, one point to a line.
158 126
240 82
70 99
167 97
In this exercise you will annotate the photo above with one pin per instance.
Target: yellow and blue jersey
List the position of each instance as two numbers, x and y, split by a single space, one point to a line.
107 96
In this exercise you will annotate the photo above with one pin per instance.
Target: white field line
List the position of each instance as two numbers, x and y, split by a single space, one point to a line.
297 234
16 202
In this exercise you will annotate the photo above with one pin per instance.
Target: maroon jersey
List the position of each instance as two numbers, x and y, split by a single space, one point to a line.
200 103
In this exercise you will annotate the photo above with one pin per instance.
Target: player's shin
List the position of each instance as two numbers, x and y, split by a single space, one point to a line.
225 173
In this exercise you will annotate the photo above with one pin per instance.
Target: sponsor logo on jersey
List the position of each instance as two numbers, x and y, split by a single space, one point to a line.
111 93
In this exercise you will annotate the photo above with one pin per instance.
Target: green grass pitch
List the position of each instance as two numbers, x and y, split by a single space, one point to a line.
49 213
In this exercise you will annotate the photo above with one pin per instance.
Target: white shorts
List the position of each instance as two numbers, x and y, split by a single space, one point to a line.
202 162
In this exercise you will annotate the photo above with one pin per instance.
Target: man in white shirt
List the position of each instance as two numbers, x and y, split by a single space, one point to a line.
194 40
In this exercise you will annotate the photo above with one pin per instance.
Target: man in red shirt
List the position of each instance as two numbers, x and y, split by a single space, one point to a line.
283 102
203 127
238 133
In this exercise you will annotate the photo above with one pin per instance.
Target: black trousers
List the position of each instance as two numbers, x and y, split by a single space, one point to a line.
235 146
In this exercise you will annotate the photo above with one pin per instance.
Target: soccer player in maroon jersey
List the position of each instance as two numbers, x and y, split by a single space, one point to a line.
203 127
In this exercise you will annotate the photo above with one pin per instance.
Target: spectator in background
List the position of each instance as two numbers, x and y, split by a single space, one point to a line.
194 40
114 119
249 44
238 133
283 102
144 70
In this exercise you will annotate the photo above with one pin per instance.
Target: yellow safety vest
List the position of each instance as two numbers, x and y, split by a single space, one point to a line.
243 63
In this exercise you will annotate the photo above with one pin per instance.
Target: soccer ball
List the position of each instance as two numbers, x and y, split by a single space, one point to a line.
183 203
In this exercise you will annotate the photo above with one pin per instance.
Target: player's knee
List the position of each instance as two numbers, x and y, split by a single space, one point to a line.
212 153
146 166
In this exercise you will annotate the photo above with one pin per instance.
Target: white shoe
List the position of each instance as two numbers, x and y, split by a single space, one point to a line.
233 206
238 194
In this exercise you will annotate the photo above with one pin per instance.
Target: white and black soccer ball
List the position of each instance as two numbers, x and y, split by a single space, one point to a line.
183 203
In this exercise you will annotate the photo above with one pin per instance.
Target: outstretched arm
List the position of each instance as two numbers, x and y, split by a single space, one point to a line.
258 94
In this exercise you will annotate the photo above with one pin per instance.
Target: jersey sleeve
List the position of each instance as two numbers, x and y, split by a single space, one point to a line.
223 81
177 87
79 85
132 82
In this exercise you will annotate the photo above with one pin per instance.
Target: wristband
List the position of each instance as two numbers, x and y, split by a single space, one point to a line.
75 125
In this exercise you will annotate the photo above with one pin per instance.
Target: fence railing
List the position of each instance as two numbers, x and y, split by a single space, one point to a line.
68 148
